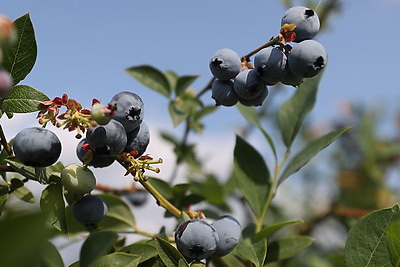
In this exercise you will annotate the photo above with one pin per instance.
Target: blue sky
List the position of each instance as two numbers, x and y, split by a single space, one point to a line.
84 47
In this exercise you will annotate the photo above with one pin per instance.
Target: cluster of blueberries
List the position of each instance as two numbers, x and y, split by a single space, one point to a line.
125 132
197 239
305 58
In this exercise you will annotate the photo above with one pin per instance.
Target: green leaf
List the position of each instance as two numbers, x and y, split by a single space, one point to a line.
23 99
292 113
145 251
177 112
172 78
52 203
3 198
97 245
251 174
24 194
42 175
267 232
288 247
311 149
183 83
393 240
152 78
162 187
20 58
49 255
117 259
254 252
20 235
367 241
168 253
250 114
118 209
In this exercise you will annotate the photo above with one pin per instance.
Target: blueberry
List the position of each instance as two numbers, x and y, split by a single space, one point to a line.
223 93
270 63
6 82
89 210
77 179
228 230
130 109
196 239
291 79
97 161
100 113
306 20
248 84
225 64
37 147
109 139
137 198
307 59
257 101
138 140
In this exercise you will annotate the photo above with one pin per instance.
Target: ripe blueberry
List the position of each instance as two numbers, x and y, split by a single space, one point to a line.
37 147
225 64
291 79
223 93
196 239
307 59
257 101
306 20
77 179
89 210
97 161
138 140
270 63
109 139
137 198
228 230
6 82
248 84
130 109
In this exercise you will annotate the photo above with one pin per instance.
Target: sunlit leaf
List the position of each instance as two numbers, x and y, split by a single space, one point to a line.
311 149
393 240
287 247
367 241
252 175
152 78
20 58
292 113
253 251
23 99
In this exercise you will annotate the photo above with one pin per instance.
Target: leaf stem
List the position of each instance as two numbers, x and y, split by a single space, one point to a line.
4 142
272 191
271 42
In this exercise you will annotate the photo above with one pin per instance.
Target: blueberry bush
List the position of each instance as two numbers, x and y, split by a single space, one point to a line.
72 203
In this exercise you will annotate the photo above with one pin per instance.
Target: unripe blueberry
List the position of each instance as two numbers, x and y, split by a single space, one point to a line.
196 239
270 63
248 84
77 179
89 210
229 231
138 140
100 113
307 59
257 101
109 139
8 32
223 93
97 161
225 64
6 82
130 110
37 147
306 20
